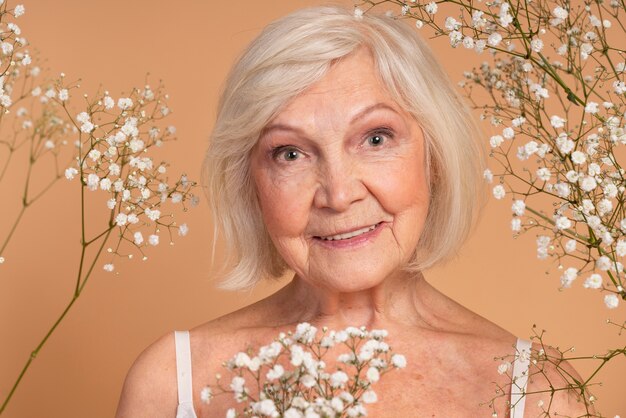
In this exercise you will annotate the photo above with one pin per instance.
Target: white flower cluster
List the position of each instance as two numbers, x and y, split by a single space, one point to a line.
570 155
294 381
113 158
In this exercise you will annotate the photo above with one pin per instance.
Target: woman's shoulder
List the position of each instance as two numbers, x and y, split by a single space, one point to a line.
149 389
553 385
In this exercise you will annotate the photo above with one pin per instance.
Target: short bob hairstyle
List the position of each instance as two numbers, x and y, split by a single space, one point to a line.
291 54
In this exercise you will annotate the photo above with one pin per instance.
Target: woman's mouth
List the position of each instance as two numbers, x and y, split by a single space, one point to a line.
349 235
351 238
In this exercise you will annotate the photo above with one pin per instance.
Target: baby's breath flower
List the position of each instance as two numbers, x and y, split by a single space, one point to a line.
611 301
124 103
504 367
70 173
153 240
498 191
431 8
206 395
19 10
568 277
593 282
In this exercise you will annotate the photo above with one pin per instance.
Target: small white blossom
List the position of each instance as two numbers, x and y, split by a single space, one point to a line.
562 222
488 175
543 174
508 133
63 95
591 107
369 396
338 379
588 183
570 246
494 39
604 206
569 275
468 42
562 189
19 10
70 173
183 229
138 238
495 141
108 102
109 267
578 157
518 207
87 127
124 103
504 367
206 395
498 191
105 184
431 8
611 301
603 263
398 360
593 282
275 372
560 13
373 375
536 45
153 240
93 181
121 219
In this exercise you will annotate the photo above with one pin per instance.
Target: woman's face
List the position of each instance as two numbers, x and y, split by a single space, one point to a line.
341 181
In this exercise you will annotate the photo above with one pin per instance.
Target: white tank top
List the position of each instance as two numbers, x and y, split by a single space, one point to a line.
185 398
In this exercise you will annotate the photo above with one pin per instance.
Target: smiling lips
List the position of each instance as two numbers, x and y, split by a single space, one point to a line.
348 235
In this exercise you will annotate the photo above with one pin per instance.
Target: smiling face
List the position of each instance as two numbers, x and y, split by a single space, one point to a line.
341 180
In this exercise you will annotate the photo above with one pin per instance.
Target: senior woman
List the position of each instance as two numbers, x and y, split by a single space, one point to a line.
343 154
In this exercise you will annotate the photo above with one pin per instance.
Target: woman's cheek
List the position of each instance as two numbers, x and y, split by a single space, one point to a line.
286 200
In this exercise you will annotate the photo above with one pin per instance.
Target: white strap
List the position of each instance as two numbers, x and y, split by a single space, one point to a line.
183 366
520 378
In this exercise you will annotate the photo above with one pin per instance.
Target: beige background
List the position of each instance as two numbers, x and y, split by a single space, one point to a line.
190 45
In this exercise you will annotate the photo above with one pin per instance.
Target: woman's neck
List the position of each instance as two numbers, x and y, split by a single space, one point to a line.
405 299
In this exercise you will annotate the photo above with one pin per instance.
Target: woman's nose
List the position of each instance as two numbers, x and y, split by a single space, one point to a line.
340 185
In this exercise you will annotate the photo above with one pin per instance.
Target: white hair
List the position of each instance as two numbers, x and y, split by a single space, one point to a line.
290 55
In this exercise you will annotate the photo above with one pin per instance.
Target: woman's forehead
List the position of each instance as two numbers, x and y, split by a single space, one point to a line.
347 90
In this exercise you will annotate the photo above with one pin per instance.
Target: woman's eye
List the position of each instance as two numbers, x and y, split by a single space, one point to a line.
375 139
286 154
378 138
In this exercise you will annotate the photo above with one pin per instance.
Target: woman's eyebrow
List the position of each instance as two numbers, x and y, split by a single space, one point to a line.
281 127
370 109
355 118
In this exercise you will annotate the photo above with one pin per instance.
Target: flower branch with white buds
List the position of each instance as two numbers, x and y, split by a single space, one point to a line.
292 380
110 155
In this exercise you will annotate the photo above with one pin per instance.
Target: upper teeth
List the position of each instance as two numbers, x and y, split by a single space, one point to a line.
349 234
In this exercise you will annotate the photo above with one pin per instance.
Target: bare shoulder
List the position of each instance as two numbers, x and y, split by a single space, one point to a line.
150 386
553 387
